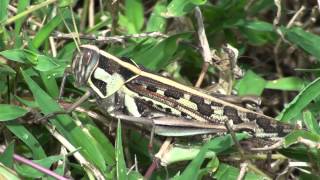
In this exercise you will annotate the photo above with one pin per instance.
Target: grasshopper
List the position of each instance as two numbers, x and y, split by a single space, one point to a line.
120 85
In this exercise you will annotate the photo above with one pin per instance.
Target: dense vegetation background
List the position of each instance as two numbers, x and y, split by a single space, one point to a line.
279 53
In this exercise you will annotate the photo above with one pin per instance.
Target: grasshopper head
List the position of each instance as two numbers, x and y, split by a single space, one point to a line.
84 63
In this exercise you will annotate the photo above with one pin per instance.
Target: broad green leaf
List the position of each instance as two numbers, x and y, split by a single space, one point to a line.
159 55
198 2
45 63
30 172
65 3
257 32
27 137
286 84
7 173
3 10
311 122
66 52
251 84
50 84
258 25
120 162
258 37
260 6
178 154
178 8
134 15
17 55
294 108
6 157
297 152
126 24
212 165
65 125
30 55
305 40
156 22
39 61
103 144
11 112
48 28
22 5
192 170
292 138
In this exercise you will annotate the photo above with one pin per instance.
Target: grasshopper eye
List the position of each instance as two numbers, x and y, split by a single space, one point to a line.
83 64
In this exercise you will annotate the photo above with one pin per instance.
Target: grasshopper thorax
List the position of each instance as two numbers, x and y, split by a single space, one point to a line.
84 63
102 74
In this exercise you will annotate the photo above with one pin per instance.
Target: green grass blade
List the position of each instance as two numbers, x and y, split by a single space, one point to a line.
7 173
305 40
251 84
3 10
157 22
286 84
47 29
311 122
27 137
6 157
66 126
11 112
121 164
22 5
294 108
134 15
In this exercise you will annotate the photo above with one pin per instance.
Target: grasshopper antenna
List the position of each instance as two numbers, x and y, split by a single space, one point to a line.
75 36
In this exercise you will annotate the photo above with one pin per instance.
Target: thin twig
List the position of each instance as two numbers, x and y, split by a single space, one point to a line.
235 157
236 142
76 153
278 44
74 37
53 46
243 169
91 13
269 148
309 143
278 16
75 25
203 72
296 15
206 54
